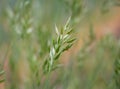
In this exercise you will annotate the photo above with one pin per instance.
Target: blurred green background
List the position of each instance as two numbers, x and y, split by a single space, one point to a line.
27 28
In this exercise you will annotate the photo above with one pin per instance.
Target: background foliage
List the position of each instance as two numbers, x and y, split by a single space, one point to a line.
40 46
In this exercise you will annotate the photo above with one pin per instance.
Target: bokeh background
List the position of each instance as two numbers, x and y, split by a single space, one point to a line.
27 28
